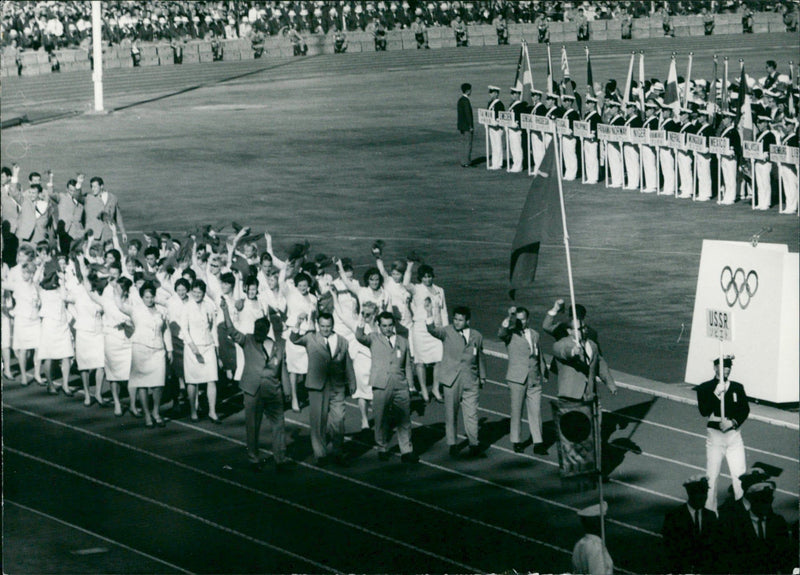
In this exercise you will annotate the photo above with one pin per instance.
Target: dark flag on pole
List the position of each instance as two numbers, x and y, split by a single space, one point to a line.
589 79
539 222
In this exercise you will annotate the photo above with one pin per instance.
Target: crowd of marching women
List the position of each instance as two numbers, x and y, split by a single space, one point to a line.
682 137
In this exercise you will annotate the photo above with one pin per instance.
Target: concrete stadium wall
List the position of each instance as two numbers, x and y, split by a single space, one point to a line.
277 47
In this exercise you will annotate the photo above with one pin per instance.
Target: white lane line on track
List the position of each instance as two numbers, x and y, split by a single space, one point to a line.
454 514
97 535
171 508
281 500
656 424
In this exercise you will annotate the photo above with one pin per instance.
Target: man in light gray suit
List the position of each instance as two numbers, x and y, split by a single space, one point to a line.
330 373
391 377
462 371
101 207
526 373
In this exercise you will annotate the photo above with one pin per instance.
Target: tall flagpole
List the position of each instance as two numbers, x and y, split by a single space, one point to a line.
687 81
626 95
97 54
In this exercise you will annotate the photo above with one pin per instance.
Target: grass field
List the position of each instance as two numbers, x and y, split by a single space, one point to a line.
345 150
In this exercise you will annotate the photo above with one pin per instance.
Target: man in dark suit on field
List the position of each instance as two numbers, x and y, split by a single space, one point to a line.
754 537
527 372
465 125
264 384
330 372
689 531
462 371
391 377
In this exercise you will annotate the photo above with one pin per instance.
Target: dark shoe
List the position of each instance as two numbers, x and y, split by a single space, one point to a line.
52 391
540 449
160 422
383 455
102 402
321 461
454 449
137 414
215 420
409 457
476 452
67 391
519 447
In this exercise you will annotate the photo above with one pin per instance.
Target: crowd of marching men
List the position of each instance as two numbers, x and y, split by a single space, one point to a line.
688 139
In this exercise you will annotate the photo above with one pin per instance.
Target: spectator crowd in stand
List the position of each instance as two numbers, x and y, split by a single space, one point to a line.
55 25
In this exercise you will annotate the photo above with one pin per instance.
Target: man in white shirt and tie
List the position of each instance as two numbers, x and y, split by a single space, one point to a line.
526 373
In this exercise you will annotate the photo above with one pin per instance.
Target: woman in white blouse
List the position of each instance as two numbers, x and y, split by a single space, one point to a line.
88 335
151 349
26 320
55 340
427 349
301 304
199 333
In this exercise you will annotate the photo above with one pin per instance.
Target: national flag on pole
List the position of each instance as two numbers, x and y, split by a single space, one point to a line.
744 113
724 104
564 63
519 75
539 222
792 111
711 101
527 75
641 80
589 79
627 95
549 72
671 99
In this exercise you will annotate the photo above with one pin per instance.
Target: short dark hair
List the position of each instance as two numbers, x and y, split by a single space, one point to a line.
325 315
386 315
189 272
250 281
147 286
97 179
524 310
462 310
34 175
151 251
6 171
37 187
262 322
424 270
265 257
136 242
302 277
772 64
228 278
114 253
72 182
373 272
199 284
124 284
466 87
184 283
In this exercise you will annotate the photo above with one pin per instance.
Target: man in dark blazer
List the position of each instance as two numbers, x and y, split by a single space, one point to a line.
462 372
724 440
465 125
391 377
330 373
526 373
690 531
754 537
264 384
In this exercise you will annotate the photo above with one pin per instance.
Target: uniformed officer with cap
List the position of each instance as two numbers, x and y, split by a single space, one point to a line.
537 143
495 132
725 417
685 168
631 151
755 538
729 164
590 554
689 530
788 172
648 152
703 159
763 170
568 141
613 149
590 145
518 107
669 123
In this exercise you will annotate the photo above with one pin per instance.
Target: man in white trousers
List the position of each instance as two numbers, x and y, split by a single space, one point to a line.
703 159
614 149
649 167
763 175
788 172
569 141
518 107
667 156
685 167
537 144
728 164
496 133
591 145
630 150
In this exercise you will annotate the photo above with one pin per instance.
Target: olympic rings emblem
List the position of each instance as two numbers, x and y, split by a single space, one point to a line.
738 286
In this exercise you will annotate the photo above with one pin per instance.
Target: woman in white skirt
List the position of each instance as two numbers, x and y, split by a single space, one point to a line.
26 321
427 349
360 354
198 329
116 336
55 338
151 344
300 303
89 340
